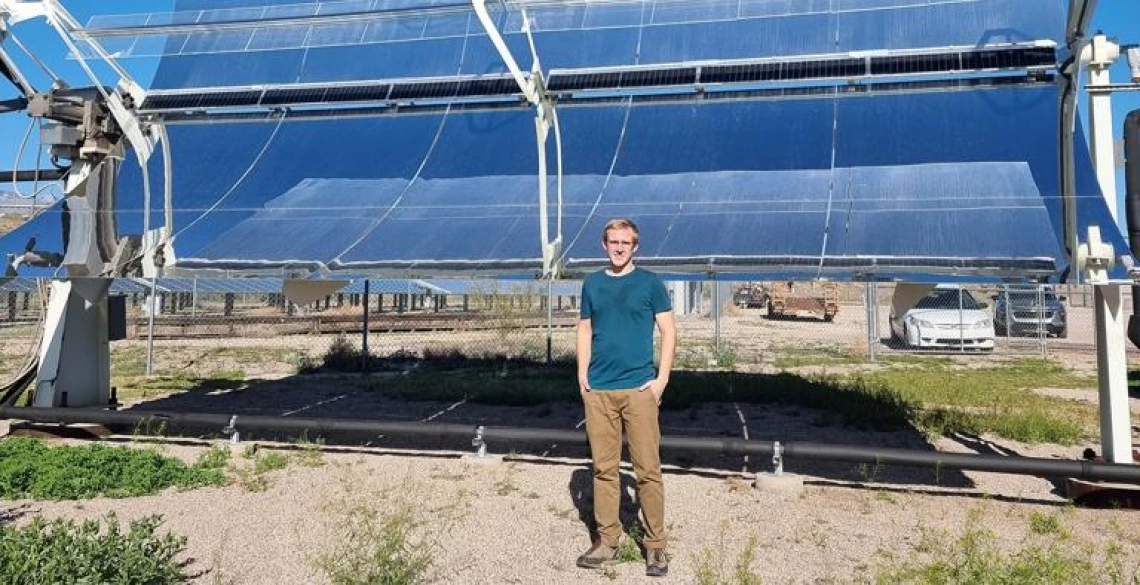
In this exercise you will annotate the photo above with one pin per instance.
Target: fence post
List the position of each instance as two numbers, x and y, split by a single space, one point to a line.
716 309
549 320
871 301
961 319
152 307
364 333
1007 315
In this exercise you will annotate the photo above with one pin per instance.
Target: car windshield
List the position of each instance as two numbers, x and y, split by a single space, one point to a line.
947 299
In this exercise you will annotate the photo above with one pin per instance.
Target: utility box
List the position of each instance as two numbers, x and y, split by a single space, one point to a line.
116 317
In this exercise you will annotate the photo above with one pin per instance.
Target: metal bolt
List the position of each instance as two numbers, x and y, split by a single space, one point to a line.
479 443
231 430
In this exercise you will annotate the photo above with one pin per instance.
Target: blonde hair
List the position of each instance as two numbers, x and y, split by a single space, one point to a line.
621 223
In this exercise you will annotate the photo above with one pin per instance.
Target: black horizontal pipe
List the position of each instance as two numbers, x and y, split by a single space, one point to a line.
33 175
1017 465
1088 470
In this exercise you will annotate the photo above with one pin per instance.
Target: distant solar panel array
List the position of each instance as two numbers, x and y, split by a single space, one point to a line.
263 286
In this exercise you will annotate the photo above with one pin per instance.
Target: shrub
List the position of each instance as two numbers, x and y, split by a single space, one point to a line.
30 468
63 551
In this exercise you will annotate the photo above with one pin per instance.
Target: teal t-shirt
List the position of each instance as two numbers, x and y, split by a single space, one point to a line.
622 311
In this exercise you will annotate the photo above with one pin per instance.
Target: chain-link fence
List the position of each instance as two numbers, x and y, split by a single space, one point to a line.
246 328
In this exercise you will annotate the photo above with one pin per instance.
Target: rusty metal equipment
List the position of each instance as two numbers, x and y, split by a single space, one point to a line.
797 299
750 295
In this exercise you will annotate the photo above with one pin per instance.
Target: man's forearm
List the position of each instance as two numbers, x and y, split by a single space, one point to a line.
668 350
585 335
668 327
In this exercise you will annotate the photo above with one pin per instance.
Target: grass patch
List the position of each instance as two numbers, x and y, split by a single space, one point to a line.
1034 423
200 373
128 374
251 356
217 457
702 356
128 362
800 357
63 551
713 568
165 385
629 547
393 546
936 395
30 468
854 403
995 399
309 452
268 461
1046 554
998 385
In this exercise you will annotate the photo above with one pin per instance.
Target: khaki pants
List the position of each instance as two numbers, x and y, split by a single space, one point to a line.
607 411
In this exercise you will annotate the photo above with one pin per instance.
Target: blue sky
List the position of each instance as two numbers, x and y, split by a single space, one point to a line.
1114 17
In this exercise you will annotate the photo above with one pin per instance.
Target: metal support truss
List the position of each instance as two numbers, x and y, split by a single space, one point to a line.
90 129
533 88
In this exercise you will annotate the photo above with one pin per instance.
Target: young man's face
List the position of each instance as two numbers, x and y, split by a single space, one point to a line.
620 244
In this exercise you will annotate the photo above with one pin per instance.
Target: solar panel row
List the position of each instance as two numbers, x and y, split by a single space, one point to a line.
610 81
953 172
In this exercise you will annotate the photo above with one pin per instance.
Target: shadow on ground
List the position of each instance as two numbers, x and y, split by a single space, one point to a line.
523 394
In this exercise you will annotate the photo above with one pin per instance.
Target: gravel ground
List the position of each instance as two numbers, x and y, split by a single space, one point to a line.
524 519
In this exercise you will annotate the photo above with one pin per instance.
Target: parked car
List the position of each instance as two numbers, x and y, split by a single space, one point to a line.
940 316
1024 310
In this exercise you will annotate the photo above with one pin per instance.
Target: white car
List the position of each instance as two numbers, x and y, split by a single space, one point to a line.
942 316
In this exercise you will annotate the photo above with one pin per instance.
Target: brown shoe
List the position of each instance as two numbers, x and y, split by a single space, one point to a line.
656 562
597 556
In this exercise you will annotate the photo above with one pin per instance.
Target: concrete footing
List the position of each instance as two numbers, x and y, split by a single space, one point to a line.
1102 494
784 482
482 460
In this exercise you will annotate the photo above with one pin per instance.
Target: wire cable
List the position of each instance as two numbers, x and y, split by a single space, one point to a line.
19 157
11 391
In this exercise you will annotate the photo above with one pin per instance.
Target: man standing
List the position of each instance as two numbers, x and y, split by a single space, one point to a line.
621 388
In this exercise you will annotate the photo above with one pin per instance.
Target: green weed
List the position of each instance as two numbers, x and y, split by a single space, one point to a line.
1046 555
267 461
711 563
30 468
629 547
375 547
309 452
792 358
63 551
